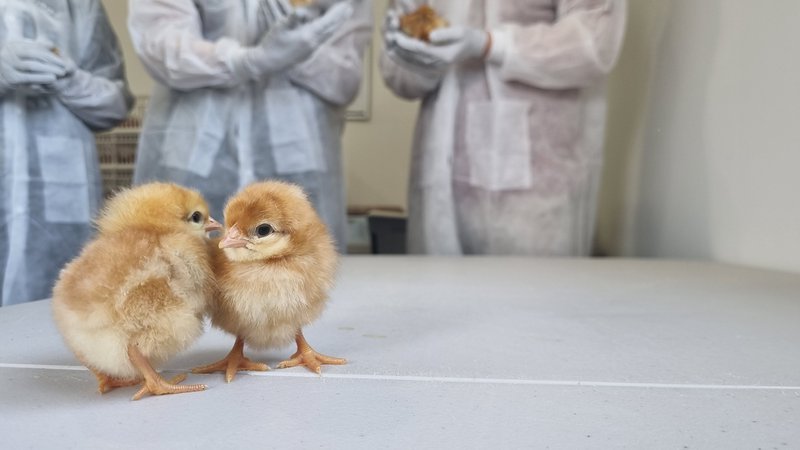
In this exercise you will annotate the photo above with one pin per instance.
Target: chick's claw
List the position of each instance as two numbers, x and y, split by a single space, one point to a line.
107 383
230 365
153 382
159 386
234 362
312 360
307 356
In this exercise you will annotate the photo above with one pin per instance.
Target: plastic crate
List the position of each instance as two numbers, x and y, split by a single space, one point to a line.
380 230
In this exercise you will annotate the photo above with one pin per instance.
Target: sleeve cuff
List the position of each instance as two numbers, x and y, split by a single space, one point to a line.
236 58
501 39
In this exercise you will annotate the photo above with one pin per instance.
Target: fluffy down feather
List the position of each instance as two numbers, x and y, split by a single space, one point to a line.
144 281
274 272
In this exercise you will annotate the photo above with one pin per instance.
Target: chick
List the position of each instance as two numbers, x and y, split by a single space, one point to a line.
137 293
273 274
420 23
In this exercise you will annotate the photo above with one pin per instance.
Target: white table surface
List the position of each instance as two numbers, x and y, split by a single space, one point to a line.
460 353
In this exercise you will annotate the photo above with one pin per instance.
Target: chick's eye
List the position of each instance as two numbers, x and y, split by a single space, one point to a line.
264 230
196 217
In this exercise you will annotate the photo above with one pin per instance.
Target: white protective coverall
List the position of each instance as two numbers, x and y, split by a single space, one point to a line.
211 128
508 151
51 180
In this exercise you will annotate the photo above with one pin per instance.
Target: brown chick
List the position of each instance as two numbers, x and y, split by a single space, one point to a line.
419 23
274 273
136 294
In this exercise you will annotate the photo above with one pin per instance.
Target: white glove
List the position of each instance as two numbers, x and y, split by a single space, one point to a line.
27 64
289 42
276 11
392 33
72 75
325 4
447 46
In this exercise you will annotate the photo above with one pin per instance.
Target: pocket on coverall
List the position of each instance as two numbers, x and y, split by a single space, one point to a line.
65 179
498 145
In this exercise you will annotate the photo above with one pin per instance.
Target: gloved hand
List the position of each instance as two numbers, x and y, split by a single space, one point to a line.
325 4
72 75
27 64
277 11
392 33
447 46
289 41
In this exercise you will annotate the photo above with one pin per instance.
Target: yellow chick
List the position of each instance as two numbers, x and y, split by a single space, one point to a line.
136 294
274 273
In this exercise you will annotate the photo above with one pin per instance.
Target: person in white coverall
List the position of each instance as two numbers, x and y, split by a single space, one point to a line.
61 79
249 90
508 147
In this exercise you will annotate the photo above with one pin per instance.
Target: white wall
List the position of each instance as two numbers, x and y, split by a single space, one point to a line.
702 145
377 153
138 79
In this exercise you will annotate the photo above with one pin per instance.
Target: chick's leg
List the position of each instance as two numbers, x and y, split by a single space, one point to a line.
234 362
307 356
153 382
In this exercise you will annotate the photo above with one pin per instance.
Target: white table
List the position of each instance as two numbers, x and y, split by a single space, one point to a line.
460 353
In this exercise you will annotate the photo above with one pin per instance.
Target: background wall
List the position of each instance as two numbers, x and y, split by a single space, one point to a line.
702 144
703 147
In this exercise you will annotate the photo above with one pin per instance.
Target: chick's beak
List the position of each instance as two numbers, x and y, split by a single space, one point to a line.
212 225
233 239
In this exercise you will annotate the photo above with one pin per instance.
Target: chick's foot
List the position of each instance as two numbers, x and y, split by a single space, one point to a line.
307 356
106 383
160 386
153 382
234 362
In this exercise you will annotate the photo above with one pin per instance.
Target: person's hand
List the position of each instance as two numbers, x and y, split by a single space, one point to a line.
27 64
447 46
289 41
392 34
71 74
278 12
325 4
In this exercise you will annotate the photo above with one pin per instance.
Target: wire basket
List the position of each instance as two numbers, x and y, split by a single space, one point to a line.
136 117
116 150
115 179
117 156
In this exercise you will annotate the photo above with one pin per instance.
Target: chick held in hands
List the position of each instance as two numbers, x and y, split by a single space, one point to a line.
420 23
276 265
137 293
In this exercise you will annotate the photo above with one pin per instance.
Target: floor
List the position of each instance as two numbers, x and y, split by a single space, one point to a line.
461 353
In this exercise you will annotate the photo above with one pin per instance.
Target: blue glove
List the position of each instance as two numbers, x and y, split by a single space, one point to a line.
28 64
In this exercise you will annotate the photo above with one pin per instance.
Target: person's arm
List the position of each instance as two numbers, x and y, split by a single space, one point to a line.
333 72
576 50
95 90
167 36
